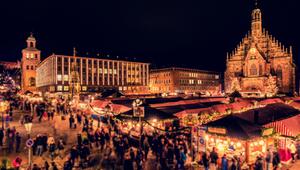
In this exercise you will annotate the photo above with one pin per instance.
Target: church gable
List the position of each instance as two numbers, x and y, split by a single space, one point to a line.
257 59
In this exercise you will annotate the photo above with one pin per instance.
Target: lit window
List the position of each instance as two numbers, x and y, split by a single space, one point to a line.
31 56
59 88
115 71
100 70
199 82
84 88
27 55
110 71
59 77
105 71
66 88
66 77
52 88
216 76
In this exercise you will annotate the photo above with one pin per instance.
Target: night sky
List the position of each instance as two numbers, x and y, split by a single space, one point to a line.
186 33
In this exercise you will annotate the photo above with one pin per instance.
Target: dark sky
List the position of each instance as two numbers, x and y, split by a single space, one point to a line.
186 33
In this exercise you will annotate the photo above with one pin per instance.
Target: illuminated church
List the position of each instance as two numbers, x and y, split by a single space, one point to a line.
260 66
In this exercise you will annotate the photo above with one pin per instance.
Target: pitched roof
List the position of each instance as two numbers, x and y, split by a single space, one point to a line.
269 113
237 127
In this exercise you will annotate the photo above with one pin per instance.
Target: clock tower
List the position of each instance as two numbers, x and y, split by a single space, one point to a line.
31 57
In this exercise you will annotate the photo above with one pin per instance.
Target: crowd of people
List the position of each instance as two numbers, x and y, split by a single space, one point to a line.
102 143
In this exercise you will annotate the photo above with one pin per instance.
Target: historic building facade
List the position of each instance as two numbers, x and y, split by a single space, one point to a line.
31 57
59 73
260 66
184 80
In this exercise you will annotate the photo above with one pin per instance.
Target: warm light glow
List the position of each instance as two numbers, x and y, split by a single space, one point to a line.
220 147
206 137
239 144
261 142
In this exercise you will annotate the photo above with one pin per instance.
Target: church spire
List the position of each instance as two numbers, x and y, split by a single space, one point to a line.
256 22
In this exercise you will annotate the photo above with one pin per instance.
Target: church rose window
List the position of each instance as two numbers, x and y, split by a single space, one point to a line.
253 70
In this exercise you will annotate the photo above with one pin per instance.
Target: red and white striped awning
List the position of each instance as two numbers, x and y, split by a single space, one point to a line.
287 127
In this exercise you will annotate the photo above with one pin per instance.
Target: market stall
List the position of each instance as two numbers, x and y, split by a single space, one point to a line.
235 137
288 130
153 119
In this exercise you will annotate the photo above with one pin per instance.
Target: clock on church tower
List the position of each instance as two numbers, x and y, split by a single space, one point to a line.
31 57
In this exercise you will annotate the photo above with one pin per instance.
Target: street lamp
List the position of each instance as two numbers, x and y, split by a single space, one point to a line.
138 112
28 126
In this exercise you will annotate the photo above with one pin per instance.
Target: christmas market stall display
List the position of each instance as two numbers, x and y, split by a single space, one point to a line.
288 130
285 121
100 107
193 117
153 119
234 136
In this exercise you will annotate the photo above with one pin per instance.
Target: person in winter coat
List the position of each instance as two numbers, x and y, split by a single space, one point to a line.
52 149
224 165
258 163
205 160
18 142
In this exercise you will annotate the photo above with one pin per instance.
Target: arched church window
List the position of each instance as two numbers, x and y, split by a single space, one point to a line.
260 70
279 75
279 72
253 70
31 81
31 44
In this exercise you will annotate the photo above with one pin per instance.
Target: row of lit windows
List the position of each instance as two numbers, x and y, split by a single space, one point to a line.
190 81
66 88
84 88
199 75
131 66
31 56
161 81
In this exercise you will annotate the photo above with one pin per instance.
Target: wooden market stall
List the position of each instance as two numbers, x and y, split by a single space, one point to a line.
234 136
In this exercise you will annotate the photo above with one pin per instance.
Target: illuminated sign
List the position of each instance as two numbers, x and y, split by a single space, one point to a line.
267 132
215 130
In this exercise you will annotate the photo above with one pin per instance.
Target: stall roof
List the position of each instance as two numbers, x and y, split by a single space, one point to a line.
128 101
269 113
287 127
150 113
237 127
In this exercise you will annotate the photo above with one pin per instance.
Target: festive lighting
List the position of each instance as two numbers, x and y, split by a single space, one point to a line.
261 142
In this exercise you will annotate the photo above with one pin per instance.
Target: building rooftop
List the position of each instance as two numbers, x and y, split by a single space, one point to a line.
183 69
